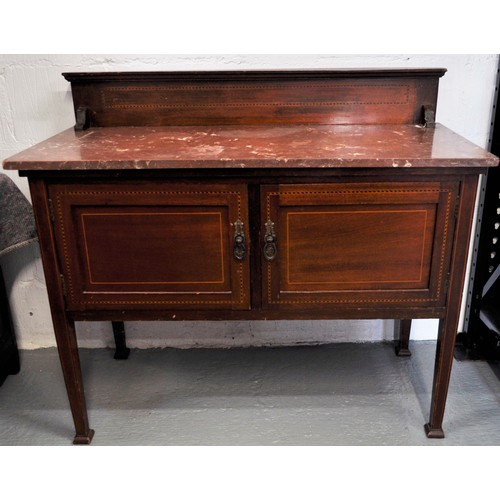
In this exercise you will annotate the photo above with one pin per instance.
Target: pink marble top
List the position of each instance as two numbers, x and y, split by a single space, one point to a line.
290 146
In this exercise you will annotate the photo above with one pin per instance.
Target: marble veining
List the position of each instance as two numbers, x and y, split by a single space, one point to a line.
315 146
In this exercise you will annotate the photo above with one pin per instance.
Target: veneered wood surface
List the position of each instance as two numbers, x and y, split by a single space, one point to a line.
255 97
164 249
358 244
291 146
373 248
155 245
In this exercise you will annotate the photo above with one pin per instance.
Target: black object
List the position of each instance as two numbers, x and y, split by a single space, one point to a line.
121 351
9 355
481 336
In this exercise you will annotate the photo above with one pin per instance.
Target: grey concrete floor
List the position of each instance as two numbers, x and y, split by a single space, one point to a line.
338 394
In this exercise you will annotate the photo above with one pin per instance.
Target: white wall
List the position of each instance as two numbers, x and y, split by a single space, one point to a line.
35 103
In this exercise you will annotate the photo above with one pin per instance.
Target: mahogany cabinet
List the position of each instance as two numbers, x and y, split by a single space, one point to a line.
254 195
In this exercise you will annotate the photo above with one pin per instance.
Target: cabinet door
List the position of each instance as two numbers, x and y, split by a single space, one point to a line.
356 244
152 245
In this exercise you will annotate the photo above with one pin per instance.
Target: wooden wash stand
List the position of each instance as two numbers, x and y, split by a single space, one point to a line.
323 194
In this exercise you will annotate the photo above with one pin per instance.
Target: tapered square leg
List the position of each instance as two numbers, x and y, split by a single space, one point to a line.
402 345
64 326
448 325
70 364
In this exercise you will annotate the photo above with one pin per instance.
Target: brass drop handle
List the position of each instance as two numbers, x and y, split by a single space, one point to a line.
270 249
239 248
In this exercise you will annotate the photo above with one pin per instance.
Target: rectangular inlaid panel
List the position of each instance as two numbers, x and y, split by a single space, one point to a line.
308 101
358 249
198 96
136 248
151 245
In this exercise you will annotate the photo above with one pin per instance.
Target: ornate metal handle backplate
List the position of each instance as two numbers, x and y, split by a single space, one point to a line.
270 249
239 248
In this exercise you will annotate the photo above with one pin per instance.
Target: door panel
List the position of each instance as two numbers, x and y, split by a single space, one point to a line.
155 246
358 243
367 249
113 258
